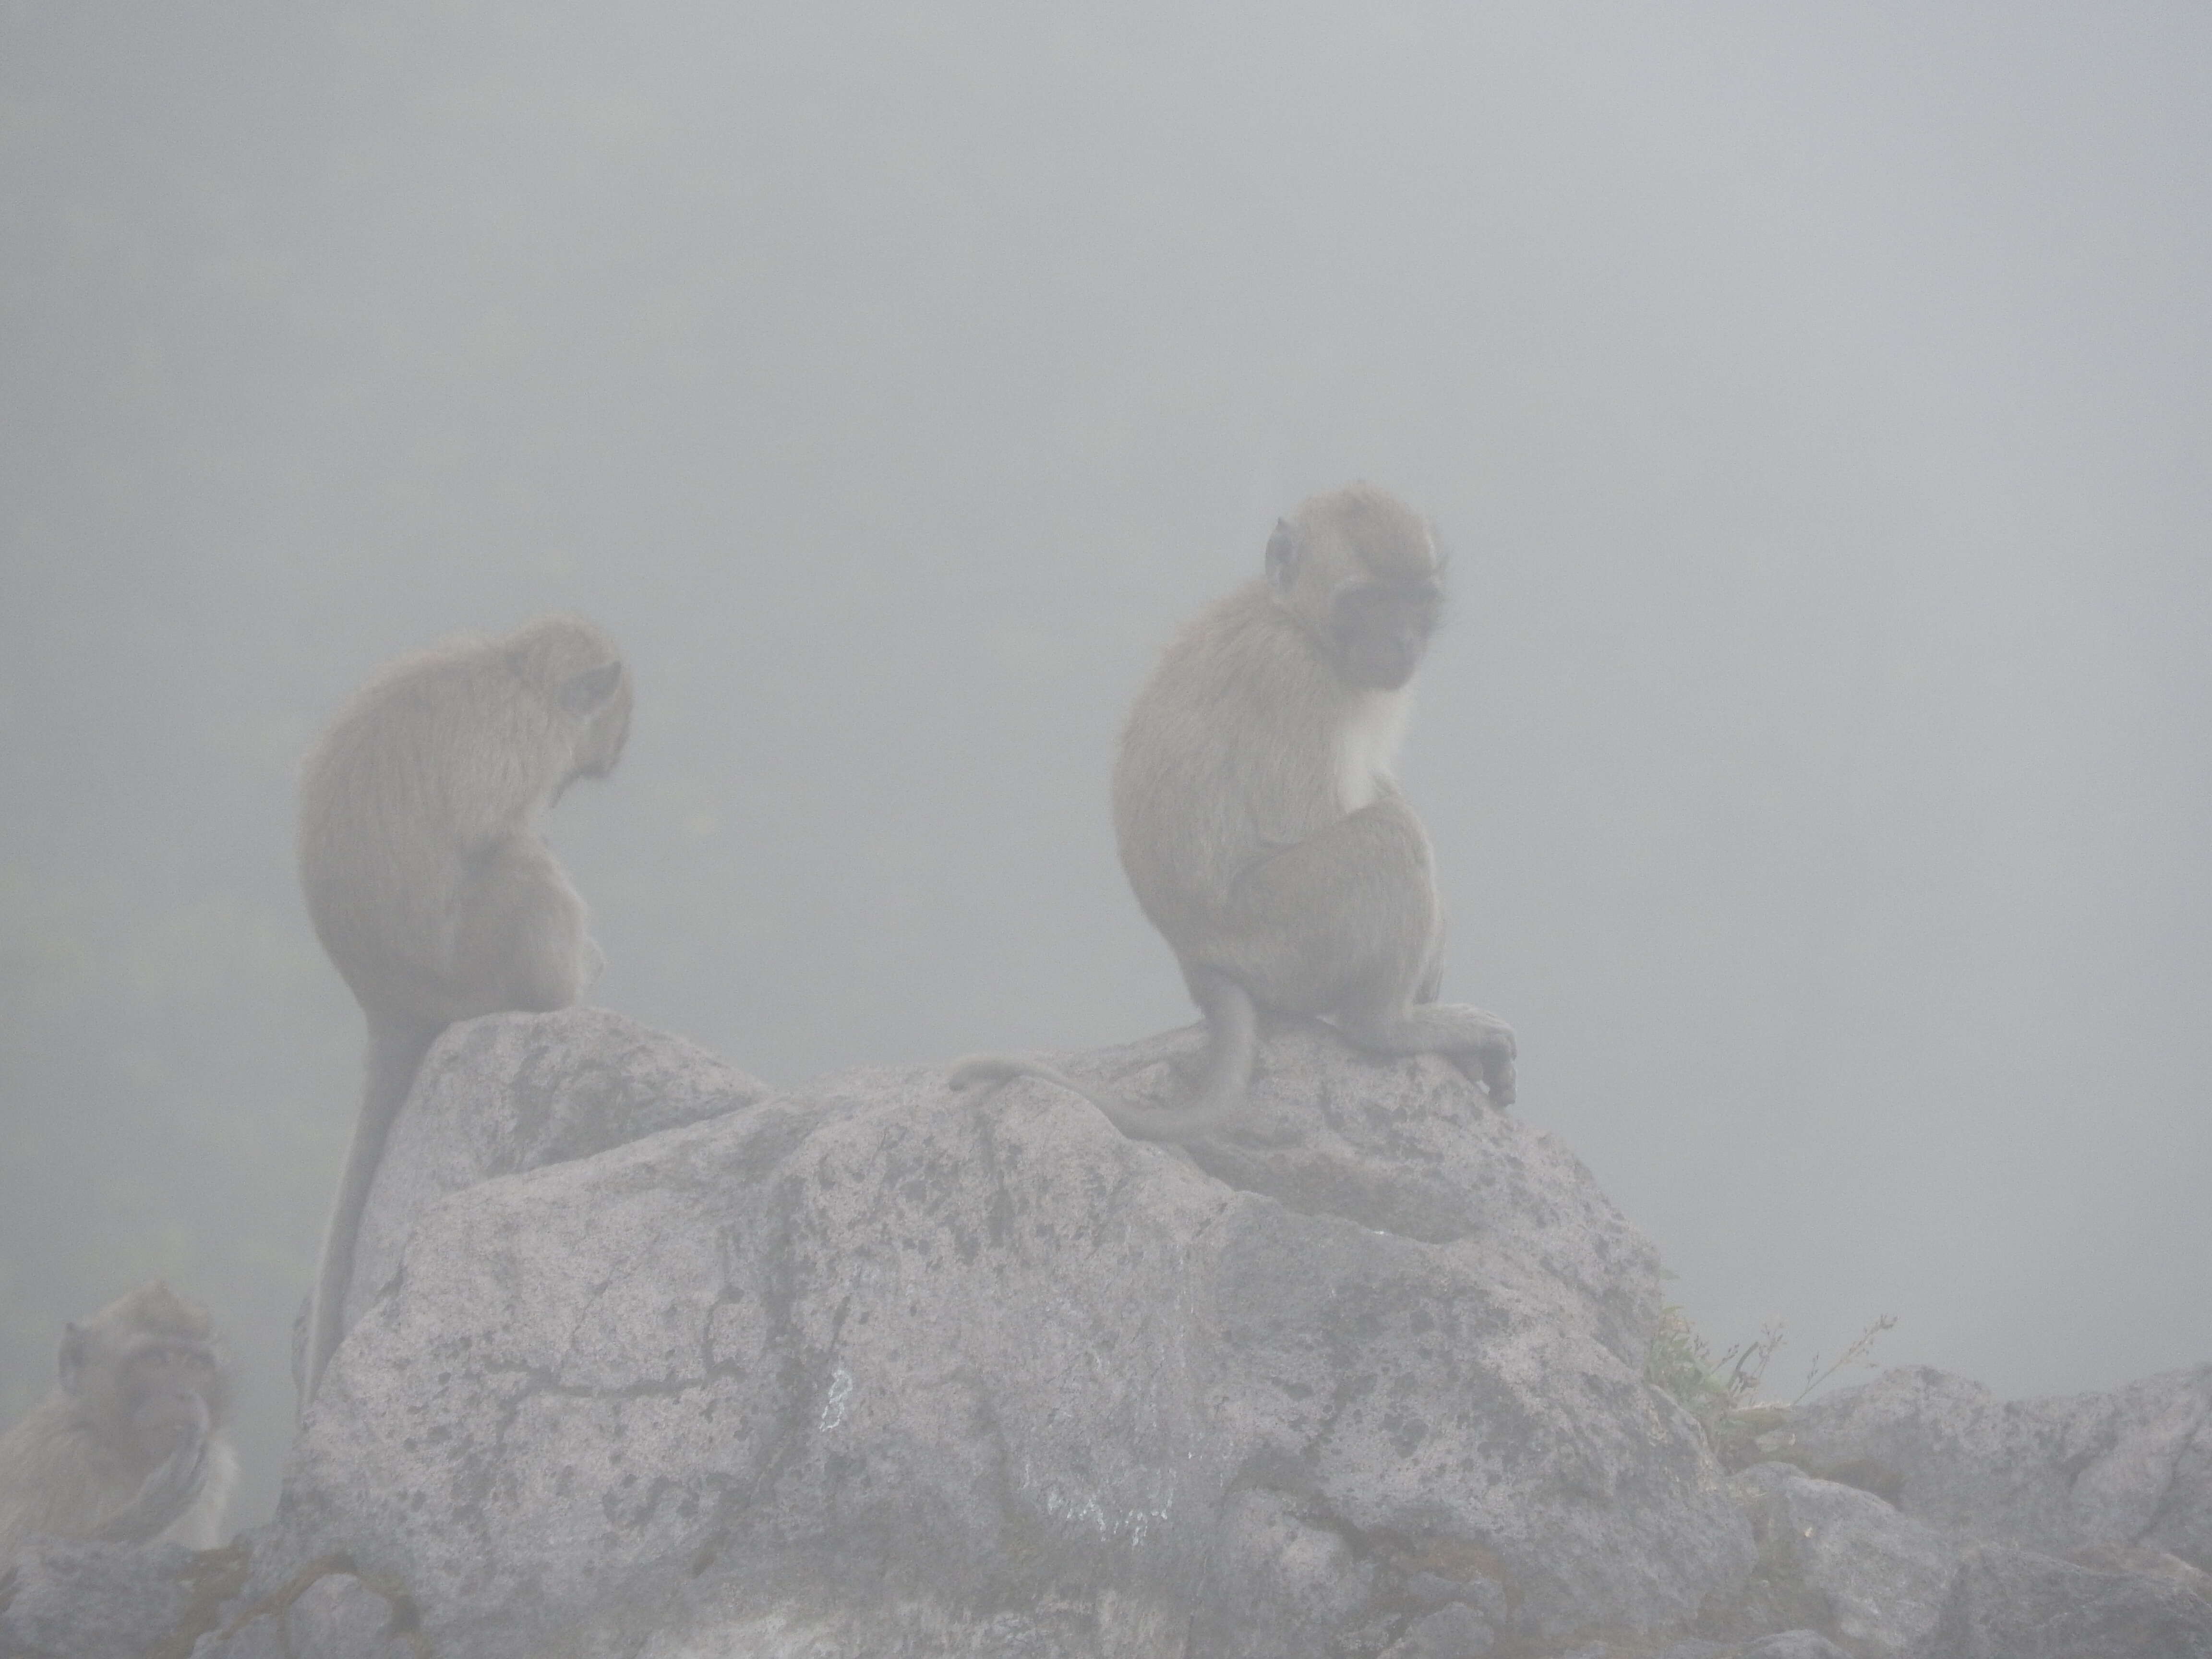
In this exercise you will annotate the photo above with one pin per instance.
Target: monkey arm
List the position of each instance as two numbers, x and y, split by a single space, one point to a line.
173 1488
521 942
1432 977
1347 915
1346 925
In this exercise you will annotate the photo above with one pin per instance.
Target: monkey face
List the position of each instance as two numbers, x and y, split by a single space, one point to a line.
1378 631
601 700
609 731
170 1390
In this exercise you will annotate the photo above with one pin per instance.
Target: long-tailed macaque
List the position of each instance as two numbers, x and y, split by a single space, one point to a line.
424 873
1260 823
130 1445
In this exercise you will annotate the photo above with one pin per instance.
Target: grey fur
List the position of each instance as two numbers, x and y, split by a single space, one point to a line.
424 874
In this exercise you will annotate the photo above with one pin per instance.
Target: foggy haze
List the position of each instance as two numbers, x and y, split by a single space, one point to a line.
1815 401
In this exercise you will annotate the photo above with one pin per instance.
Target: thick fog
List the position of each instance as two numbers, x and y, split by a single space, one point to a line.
1816 400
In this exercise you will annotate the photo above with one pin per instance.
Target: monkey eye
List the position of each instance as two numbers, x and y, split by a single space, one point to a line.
1390 606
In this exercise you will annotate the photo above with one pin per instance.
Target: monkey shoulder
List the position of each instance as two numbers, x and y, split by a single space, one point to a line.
55 1468
1229 751
447 761
1243 672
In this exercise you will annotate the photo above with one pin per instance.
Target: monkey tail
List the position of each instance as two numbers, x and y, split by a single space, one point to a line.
1232 1040
396 1048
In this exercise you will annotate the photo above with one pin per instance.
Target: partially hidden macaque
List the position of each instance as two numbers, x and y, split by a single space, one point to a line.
425 875
1260 823
129 1444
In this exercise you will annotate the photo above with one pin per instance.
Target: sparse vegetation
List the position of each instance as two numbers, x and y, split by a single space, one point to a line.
1723 1394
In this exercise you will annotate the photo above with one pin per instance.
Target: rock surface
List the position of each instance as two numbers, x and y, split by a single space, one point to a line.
1842 1561
64 1598
653 1365
1792 1645
874 1367
2014 1604
2133 1466
511 1092
326 1612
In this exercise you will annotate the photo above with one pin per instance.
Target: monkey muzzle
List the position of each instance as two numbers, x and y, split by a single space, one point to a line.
1381 662
165 1419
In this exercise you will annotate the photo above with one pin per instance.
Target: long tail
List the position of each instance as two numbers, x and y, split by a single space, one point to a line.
396 1049
1232 1037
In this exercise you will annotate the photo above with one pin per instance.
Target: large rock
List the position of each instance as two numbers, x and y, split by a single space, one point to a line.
2013 1604
327 1611
1842 1561
2133 1466
69 1598
876 1369
1405 1147
511 1092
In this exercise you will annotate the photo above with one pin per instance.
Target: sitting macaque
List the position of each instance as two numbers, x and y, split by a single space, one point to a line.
129 1444
1261 824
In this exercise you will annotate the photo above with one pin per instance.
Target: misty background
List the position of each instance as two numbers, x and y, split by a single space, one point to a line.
1815 398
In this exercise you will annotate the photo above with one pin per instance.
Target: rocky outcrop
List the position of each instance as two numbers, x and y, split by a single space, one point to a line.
2094 1513
511 1092
1841 1561
2133 1466
651 1363
2016 1604
68 1598
2002 1529
873 1367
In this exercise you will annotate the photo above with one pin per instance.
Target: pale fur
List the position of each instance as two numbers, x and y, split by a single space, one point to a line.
1263 832
1367 745
73 1468
425 875
206 1524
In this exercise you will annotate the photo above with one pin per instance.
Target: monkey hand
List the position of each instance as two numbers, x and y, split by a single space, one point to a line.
166 1493
1491 1071
1489 1059
1496 1080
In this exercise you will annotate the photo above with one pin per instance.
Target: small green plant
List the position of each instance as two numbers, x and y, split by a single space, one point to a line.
1855 1353
1723 1394
1680 1364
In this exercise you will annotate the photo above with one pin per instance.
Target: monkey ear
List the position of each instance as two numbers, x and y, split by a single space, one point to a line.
1282 555
581 693
72 1361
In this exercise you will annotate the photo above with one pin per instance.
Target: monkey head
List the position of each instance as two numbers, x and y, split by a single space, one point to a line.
145 1365
571 663
1359 569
